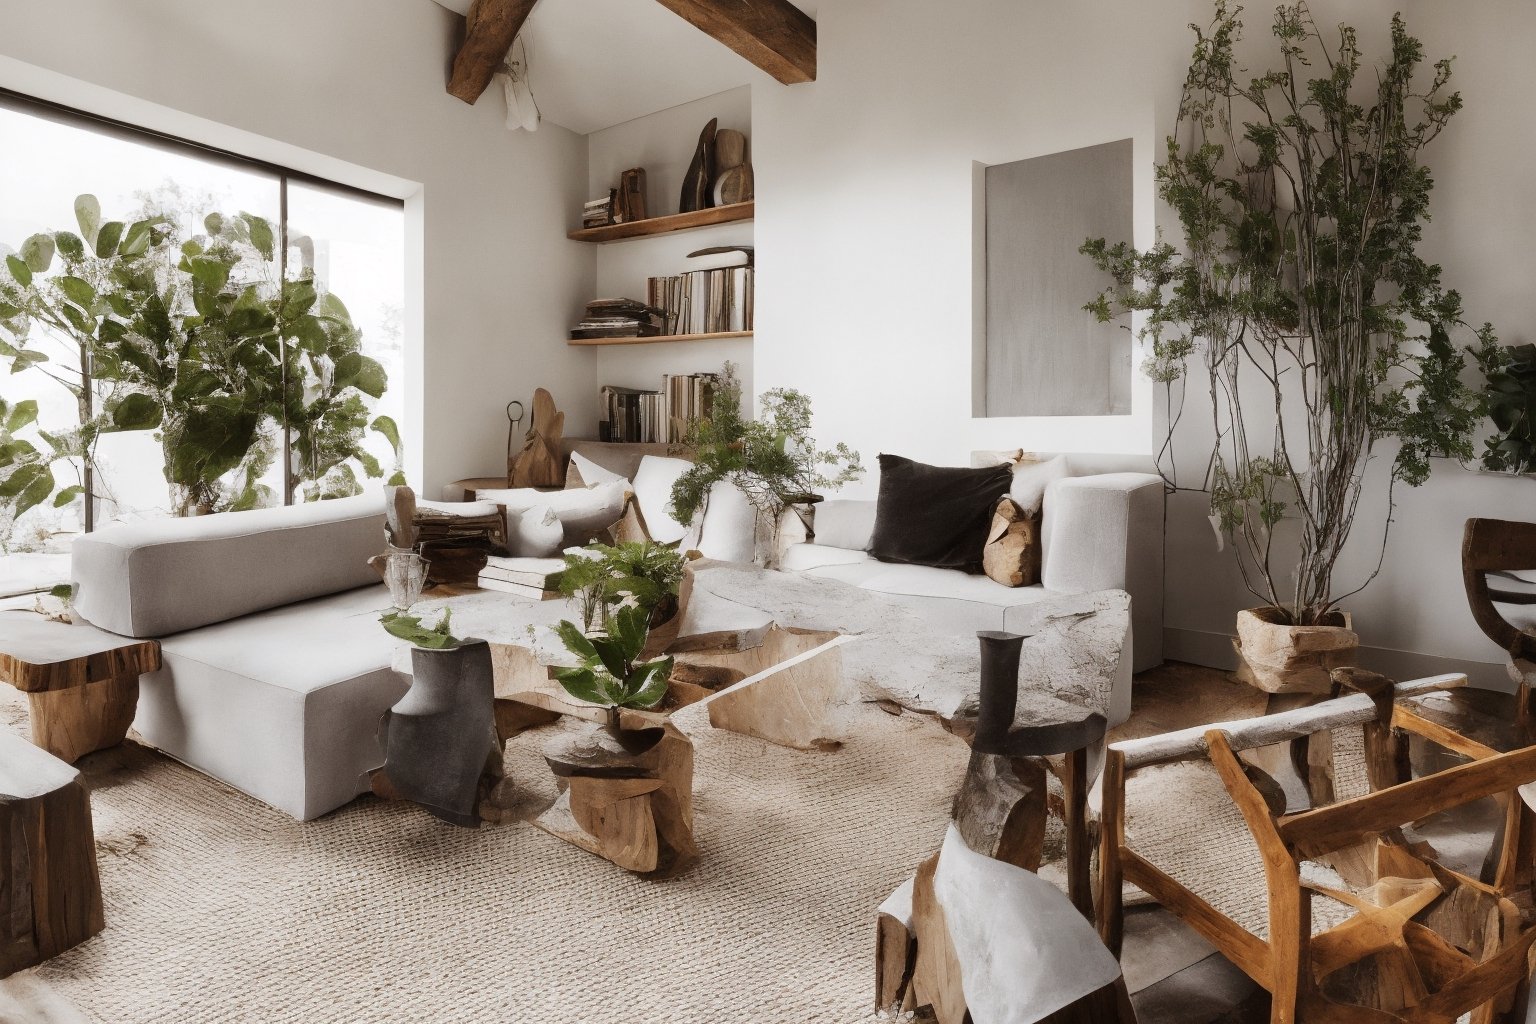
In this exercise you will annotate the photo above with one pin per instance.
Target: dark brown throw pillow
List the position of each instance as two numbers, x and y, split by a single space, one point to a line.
935 515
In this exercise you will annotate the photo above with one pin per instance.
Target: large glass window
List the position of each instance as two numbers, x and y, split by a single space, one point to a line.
182 332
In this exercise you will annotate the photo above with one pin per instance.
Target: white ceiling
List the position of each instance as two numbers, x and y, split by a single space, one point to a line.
597 63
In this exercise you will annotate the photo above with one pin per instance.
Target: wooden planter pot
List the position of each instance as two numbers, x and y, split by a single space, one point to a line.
1280 658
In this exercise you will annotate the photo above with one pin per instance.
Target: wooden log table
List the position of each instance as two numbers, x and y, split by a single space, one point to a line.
82 683
50 898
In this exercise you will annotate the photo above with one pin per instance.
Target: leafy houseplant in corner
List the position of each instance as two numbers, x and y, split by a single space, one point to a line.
1300 291
772 460
1510 393
440 738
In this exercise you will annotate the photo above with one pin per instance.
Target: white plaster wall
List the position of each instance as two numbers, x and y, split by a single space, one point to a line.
663 143
354 90
871 173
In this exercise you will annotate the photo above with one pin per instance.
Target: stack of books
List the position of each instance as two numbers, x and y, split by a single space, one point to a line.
620 318
635 415
537 579
599 212
704 301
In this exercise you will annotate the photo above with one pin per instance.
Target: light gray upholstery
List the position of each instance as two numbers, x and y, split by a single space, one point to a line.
282 704
1102 532
164 576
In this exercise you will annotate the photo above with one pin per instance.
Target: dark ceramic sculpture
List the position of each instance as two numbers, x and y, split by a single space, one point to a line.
698 182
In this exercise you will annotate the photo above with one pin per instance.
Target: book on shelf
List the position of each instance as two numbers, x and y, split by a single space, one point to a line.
636 415
533 593
598 213
704 301
620 318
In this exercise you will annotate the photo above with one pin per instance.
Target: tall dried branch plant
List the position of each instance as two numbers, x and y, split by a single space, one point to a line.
1300 291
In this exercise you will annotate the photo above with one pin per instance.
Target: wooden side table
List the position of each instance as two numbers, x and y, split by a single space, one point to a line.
82 682
51 899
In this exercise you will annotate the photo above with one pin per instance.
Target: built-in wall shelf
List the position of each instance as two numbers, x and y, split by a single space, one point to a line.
661 339
664 225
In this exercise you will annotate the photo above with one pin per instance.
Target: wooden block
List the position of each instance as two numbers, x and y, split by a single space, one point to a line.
51 896
793 704
1001 806
72 723
1012 554
540 463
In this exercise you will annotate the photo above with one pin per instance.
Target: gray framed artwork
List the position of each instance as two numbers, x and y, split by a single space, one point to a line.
1042 354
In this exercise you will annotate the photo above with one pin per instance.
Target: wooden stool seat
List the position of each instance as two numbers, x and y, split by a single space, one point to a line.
51 896
82 683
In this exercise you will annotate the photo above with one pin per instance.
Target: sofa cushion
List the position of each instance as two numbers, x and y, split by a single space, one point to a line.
163 576
845 523
1030 479
281 704
728 529
583 472
935 515
583 512
653 493
808 557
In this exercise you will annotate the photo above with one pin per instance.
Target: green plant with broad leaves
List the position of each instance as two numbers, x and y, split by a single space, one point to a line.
1510 394
609 673
409 627
773 459
600 576
202 341
1301 293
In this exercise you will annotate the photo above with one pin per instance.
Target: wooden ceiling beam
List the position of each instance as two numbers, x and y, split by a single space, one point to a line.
773 34
490 28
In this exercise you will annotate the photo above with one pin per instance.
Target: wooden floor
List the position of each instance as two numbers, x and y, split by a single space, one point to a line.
1174 975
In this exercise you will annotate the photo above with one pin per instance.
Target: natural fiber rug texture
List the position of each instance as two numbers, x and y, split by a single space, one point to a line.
220 909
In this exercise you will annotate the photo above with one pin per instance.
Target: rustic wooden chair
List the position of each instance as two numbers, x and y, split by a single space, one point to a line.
1499 548
1350 920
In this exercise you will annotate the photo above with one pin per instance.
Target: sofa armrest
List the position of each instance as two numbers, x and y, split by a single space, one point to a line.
1105 532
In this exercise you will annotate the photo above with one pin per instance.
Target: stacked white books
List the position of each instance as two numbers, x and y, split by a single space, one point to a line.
537 579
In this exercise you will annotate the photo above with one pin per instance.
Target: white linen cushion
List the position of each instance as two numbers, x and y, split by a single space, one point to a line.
845 523
1030 479
806 557
535 532
728 529
653 493
582 511
592 474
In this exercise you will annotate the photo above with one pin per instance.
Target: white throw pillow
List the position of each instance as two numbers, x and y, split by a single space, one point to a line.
535 533
583 511
653 493
457 508
592 474
1030 479
729 528
845 523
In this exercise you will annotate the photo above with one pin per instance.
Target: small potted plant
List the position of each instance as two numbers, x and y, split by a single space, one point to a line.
611 673
772 460
600 576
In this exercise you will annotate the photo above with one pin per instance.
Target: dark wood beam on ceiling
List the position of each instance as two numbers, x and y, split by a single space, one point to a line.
489 29
773 34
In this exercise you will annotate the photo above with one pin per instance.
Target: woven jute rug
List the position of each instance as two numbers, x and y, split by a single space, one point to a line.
220 909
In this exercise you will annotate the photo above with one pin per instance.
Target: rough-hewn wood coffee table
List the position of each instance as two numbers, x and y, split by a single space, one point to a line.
82 683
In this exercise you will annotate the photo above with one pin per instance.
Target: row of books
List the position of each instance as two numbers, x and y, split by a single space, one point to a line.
703 301
620 318
634 415
599 212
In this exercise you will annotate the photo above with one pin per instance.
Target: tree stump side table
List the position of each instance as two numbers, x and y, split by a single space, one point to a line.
82 683
51 896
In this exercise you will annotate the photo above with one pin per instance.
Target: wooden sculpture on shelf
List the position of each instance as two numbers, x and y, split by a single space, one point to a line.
696 193
540 464
629 793
1415 941
733 174
51 896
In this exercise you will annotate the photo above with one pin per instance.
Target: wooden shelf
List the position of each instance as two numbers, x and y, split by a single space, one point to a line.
663 225
660 339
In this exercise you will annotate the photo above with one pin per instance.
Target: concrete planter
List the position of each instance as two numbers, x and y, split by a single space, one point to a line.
1281 658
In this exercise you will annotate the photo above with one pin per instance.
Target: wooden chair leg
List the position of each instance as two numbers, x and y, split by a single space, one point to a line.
1075 790
1110 911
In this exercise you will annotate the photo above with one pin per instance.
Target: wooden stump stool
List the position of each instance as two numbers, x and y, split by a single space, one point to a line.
50 898
82 682
629 797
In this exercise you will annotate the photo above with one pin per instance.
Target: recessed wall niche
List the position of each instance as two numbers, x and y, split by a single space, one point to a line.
1040 353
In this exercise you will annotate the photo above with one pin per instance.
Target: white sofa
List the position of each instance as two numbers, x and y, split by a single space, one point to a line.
275 669
1101 532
